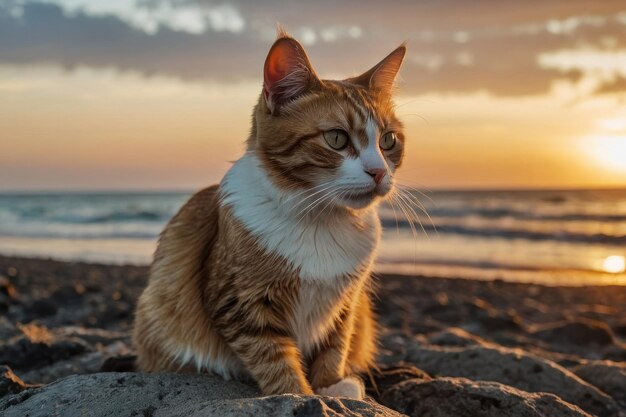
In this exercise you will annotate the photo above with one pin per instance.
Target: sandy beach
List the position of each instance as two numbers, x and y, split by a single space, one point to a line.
448 347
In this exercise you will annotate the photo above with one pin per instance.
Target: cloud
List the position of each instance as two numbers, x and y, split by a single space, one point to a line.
454 46
150 15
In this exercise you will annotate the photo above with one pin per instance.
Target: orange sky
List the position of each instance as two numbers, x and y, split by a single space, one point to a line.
545 108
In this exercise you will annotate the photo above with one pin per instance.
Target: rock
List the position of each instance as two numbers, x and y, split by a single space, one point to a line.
393 347
512 367
382 379
453 397
619 328
126 363
24 353
91 336
7 329
172 395
4 304
595 312
609 376
64 351
483 315
39 309
582 332
68 295
85 363
9 382
454 336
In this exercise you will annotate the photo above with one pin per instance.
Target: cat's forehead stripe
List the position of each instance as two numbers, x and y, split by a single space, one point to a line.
361 105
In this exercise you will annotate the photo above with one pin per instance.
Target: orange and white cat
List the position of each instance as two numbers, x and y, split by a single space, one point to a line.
266 276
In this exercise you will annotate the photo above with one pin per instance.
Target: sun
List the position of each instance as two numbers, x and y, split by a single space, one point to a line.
610 151
614 264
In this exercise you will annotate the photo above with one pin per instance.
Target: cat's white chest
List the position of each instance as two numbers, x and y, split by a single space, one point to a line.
318 250
315 312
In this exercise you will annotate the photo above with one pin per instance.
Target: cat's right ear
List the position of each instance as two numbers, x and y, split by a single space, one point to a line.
287 73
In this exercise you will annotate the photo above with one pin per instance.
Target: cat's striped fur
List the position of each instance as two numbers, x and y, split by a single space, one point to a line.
266 276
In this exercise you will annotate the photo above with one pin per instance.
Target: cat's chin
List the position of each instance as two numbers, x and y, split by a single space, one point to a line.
358 201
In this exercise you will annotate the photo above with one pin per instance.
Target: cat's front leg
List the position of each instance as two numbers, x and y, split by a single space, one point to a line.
263 343
328 370
273 362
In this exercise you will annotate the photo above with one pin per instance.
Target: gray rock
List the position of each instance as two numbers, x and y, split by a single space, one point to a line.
380 380
7 330
512 367
609 376
26 353
454 336
112 394
478 311
453 397
583 332
393 347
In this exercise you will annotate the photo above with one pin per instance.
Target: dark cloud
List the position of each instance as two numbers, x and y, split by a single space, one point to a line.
615 86
44 35
440 15
455 45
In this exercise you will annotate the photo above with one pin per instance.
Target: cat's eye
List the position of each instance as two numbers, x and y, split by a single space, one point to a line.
336 139
388 141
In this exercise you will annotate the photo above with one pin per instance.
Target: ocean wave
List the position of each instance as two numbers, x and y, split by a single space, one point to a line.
86 235
501 213
82 231
112 217
560 236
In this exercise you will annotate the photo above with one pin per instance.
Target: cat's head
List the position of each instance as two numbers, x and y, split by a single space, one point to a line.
338 142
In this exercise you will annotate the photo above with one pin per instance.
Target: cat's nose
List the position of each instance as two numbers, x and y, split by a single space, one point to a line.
377 173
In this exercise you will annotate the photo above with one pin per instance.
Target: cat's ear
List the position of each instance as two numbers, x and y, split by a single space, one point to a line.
381 76
287 73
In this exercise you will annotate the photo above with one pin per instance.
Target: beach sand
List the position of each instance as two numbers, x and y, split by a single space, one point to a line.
448 347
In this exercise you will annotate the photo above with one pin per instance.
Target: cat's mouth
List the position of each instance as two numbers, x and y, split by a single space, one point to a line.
360 197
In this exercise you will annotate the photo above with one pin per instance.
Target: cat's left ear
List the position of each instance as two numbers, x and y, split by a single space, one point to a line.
287 73
382 76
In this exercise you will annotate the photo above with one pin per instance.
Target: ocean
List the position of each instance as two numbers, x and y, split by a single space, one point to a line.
548 237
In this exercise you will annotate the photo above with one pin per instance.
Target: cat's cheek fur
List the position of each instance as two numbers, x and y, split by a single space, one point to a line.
349 387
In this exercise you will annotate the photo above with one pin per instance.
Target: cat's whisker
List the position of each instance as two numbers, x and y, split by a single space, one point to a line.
406 215
395 215
412 198
299 193
314 205
412 211
416 115
421 206
311 204
330 200
411 190
411 224
410 215
415 189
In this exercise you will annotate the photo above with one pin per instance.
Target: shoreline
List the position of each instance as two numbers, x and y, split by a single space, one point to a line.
482 273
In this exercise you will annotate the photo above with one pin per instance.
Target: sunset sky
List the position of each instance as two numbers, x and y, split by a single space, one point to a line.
157 94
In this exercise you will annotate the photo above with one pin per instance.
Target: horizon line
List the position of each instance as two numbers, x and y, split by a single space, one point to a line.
191 190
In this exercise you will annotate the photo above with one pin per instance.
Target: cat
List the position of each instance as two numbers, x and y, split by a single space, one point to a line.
266 276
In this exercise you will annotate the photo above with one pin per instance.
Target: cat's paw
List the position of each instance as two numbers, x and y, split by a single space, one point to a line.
349 387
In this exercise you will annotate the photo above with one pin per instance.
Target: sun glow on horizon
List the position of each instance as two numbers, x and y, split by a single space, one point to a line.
610 151
614 264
